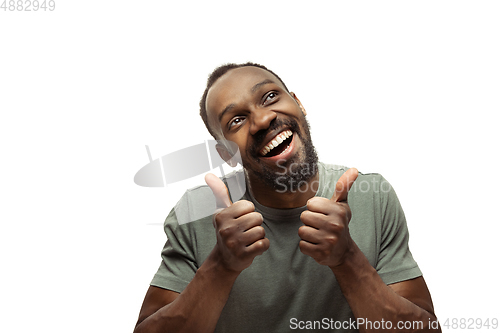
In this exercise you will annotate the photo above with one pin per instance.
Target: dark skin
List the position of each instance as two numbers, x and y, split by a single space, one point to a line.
239 108
241 103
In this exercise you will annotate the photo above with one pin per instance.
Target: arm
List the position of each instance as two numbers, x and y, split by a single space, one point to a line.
240 238
196 309
371 300
325 237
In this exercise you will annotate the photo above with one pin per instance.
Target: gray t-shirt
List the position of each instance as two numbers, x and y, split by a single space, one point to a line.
283 286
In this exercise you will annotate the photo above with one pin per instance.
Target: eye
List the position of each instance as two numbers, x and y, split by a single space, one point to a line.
235 122
270 97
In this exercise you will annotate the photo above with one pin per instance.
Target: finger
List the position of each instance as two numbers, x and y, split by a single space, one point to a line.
249 220
313 219
219 190
319 204
309 234
344 185
307 248
322 221
258 247
252 235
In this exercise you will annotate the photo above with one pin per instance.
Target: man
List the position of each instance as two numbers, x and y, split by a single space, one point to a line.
293 253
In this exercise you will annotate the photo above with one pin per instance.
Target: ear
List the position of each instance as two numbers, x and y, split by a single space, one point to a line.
299 103
225 154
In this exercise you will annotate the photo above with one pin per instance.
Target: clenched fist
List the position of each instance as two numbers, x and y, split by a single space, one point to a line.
325 234
240 235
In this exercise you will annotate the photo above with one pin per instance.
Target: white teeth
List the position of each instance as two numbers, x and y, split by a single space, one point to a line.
276 141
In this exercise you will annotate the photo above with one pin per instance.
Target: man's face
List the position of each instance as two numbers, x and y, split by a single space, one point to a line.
250 107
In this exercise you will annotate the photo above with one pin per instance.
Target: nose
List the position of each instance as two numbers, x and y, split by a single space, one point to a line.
261 120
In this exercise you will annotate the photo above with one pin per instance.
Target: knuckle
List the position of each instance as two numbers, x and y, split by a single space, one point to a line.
316 202
331 240
301 247
311 203
263 245
256 216
334 227
220 216
246 205
300 232
260 231
225 231
342 212
231 244
305 215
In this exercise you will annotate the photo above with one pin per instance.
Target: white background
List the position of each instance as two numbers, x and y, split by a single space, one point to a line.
406 89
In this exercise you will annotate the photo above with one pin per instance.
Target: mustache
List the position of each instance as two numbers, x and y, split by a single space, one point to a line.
260 136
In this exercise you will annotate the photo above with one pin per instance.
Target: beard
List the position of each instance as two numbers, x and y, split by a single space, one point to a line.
292 173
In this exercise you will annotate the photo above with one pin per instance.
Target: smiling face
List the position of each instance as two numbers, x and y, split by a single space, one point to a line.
250 107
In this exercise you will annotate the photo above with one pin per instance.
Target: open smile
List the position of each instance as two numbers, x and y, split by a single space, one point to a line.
280 145
279 142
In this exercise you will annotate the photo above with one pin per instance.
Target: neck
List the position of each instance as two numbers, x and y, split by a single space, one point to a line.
272 198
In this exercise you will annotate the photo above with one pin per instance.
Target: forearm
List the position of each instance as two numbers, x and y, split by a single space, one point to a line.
198 307
373 301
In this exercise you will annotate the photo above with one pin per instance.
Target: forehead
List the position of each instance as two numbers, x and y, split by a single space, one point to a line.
235 85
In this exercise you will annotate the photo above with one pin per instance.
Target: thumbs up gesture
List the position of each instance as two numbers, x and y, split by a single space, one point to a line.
238 227
325 234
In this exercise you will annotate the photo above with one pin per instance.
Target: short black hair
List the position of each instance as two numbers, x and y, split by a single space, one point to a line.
216 74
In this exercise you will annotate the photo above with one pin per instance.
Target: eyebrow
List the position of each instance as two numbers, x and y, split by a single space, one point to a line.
253 90
260 84
226 109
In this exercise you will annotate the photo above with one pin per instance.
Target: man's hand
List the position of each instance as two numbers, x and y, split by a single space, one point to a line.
325 236
240 236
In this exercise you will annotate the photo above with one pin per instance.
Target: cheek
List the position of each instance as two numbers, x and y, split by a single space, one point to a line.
291 104
239 142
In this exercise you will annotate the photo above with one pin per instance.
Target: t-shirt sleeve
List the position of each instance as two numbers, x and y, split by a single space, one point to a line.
395 261
178 265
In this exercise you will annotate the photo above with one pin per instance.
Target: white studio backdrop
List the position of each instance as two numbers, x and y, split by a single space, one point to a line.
406 89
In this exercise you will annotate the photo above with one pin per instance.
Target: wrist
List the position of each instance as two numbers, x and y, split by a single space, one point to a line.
348 258
215 263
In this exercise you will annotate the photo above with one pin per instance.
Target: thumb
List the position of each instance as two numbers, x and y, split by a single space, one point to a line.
344 185
219 190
